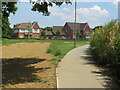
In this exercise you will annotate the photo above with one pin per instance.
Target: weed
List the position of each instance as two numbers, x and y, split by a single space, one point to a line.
58 52
45 81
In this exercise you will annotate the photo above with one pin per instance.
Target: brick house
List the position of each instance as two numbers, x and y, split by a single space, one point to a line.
20 30
82 29
59 29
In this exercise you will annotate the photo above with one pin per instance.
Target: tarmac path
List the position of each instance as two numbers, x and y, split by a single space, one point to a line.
77 70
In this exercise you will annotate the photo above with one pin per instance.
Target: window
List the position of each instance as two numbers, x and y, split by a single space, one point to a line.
21 36
35 30
35 36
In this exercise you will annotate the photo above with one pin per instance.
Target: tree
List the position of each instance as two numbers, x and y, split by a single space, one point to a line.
57 33
7 8
43 33
97 27
6 30
77 34
29 28
47 28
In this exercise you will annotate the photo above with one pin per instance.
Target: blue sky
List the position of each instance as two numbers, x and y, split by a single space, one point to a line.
95 13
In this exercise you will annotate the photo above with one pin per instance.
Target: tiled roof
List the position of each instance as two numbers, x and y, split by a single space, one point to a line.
22 25
48 33
79 26
58 28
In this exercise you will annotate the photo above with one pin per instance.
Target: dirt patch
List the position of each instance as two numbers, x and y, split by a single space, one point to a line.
68 42
26 65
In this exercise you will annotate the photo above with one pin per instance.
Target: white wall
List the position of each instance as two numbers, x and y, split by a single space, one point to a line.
36 31
22 30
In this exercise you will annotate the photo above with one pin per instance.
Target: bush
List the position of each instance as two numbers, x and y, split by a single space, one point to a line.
105 45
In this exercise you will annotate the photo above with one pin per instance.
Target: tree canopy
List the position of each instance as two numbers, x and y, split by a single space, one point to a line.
43 6
47 28
7 8
57 32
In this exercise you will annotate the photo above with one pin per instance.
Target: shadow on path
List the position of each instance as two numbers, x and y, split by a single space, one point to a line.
18 70
110 82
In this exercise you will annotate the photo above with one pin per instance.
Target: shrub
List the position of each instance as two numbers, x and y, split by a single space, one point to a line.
105 45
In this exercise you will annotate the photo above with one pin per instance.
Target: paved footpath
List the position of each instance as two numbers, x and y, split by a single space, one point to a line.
77 71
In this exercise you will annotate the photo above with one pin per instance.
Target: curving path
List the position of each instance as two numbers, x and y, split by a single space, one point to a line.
77 70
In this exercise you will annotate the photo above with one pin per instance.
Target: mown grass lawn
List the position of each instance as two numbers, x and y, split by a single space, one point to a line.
58 47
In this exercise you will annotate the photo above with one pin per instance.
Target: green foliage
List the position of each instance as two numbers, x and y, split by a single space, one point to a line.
58 33
43 33
15 25
97 27
43 6
7 8
6 30
55 61
77 34
49 50
45 81
58 52
105 45
29 28
47 28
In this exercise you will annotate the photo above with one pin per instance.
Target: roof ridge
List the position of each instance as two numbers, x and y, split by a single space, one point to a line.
77 22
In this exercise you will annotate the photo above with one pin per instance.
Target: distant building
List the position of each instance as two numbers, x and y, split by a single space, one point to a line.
58 29
81 30
20 30
69 30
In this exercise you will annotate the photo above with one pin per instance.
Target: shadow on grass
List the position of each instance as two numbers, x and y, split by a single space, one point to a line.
105 72
18 70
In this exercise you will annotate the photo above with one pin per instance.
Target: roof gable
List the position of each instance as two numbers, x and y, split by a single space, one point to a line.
24 25
79 26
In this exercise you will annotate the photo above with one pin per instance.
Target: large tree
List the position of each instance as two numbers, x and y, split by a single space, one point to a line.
7 8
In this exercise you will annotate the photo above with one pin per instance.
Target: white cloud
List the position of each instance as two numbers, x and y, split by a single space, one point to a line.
116 3
94 15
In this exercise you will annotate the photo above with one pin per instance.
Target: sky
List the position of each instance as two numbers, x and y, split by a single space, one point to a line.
94 13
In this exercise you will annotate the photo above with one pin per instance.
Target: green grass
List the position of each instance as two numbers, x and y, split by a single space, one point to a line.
55 62
58 47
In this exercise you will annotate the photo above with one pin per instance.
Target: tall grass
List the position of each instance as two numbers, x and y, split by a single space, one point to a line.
105 46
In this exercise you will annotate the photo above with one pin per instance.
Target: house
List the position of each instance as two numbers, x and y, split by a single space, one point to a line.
47 34
20 30
81 30
61 33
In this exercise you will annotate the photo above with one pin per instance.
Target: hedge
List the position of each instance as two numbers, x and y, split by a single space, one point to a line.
105 46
